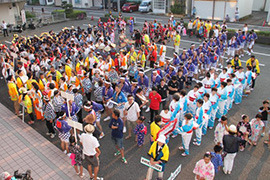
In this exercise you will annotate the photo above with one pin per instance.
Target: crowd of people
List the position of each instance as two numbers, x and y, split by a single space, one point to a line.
107 78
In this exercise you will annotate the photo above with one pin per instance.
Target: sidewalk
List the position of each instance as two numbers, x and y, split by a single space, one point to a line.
23 148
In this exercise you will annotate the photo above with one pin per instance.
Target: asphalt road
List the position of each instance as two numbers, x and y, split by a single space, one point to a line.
251 164
139 17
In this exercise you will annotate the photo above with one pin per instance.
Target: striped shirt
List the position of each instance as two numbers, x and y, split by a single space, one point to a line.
48 111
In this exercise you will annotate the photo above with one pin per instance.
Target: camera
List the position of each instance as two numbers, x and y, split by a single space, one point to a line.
23 176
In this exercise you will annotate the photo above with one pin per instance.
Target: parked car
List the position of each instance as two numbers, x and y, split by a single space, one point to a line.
114 4
130 7
145 6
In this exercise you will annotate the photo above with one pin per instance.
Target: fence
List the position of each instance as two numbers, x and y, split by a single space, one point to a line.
42 19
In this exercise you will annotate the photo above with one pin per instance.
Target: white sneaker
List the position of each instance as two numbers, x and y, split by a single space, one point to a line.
68 154
48 134
196 144
124 129
148 109
107 119
52 136
101 135
65 151
229 172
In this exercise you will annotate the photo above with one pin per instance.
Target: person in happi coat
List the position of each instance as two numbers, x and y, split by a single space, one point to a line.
159 153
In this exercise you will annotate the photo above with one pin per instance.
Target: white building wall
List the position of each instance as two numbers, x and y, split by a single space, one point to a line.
82 3
205 8
7 13
267 5
258 5
245 7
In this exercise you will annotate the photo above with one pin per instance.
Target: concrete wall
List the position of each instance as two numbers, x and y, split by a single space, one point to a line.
201 7
7 13
258 5
89 2
205 8
245 7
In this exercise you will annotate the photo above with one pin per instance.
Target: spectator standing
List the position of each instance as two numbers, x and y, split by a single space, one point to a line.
4 26
49 116
117 125
173 87
236 14
155 100
131 113
231 146
204 168
162 90
264 111
91 150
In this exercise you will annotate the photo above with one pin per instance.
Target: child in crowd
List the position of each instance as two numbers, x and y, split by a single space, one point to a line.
244 131
76 156
216 158
140 131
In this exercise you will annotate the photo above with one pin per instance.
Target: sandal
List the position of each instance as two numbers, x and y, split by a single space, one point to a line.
82 175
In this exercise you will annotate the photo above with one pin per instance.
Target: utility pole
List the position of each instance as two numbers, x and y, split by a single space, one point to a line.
109 6
118 6
213 12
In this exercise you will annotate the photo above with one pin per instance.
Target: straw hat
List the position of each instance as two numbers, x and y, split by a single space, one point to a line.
101 46
232 128
107 49
89 128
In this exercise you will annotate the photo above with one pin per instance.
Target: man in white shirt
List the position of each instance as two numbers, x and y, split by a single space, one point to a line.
131 113
91 150
5 31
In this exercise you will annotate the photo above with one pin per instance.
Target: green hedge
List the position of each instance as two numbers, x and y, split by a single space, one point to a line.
29 14
178 9
74 14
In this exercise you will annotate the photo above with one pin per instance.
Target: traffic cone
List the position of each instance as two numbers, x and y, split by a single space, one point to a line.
92 18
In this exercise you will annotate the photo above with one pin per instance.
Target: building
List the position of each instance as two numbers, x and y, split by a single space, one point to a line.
12 10
261 5
86 3
219 9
